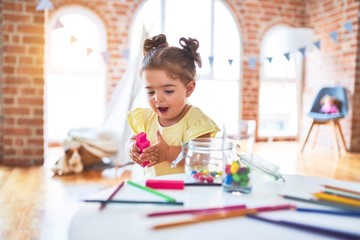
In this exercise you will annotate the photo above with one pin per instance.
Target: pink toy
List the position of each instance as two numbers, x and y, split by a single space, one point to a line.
165 184
329 105
142 143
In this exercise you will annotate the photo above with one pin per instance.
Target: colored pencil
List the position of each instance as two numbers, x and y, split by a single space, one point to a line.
198 210
324 203
342 189
202 184
343 194
209 216
309 228
206 217
337 199
150 190
103 205
331 212
130 202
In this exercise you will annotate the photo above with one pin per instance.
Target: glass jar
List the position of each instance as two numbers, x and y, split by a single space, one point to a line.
205 158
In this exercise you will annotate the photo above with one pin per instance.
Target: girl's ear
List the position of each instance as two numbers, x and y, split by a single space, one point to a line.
190 88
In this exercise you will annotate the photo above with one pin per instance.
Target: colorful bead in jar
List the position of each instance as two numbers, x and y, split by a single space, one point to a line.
237 177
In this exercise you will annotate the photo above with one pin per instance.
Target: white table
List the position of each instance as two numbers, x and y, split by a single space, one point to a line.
129 221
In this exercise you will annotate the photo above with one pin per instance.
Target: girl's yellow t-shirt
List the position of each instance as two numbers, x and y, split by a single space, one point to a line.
194 124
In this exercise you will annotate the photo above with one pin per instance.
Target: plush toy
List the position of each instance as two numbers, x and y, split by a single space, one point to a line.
330 105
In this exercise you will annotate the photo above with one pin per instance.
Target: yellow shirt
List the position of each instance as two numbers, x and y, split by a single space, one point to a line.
194 124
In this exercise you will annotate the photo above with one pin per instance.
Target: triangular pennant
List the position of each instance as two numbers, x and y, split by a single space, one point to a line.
269 59
302 50
252 62
106 56
73 40
58 24
348 26
334 36
317 44
287 55
230 61
44 5
125 53
211 59
88 51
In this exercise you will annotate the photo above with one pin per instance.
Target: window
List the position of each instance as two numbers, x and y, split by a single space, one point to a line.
75 73
278 103
211 22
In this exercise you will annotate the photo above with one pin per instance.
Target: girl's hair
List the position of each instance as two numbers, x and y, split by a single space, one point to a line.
179 63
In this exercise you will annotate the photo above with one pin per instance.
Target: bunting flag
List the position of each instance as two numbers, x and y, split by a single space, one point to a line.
211 60
287 55
348 26
334 36
88 51
73 40
230 61
317 44
44 5
269 59
125 53
58 25
252 62
302 50
106 56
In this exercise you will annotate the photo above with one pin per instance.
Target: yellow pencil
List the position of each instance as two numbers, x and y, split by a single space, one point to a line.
337 199
207 217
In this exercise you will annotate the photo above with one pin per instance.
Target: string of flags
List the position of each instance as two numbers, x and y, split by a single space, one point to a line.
252 60
73 39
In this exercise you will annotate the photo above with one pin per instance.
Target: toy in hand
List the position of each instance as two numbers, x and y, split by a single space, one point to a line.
329 104
142 143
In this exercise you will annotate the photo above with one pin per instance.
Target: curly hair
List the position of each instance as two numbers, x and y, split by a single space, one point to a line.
179 63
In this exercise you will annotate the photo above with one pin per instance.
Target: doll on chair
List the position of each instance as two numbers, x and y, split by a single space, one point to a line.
330 105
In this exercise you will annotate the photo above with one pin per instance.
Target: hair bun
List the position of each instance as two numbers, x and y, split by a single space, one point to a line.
155 42
192 46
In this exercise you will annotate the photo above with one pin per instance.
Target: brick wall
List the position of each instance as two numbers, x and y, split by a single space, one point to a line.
22 48
22 83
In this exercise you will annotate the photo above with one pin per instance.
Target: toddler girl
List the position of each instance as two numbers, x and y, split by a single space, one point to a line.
169 74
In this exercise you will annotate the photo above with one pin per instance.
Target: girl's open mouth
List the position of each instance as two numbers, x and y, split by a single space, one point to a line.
163 109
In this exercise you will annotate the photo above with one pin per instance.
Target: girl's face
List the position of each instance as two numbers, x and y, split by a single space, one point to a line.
167 97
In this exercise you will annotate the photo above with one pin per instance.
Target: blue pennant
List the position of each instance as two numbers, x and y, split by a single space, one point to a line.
348 26
230 61
317 44
302 50
287 55
44 5
125 53
252 62
334 36
269 59
211 59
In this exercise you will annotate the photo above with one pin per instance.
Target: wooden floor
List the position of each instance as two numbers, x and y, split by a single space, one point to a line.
34 204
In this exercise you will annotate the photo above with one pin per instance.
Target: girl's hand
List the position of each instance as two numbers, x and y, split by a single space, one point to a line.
135 153
155 153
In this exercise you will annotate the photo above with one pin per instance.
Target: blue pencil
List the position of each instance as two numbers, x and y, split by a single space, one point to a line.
308 228
331 212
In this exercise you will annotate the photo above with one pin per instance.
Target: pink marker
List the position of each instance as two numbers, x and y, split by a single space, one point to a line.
142 143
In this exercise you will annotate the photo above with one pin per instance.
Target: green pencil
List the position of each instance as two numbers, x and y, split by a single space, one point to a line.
150 190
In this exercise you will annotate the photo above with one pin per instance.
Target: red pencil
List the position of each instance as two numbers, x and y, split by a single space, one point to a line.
102 206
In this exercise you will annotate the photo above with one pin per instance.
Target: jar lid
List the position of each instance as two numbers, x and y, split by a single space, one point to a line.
263 166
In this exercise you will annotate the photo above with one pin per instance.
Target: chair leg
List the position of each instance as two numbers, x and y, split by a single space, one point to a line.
338 126
334 134
316 133
307 136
